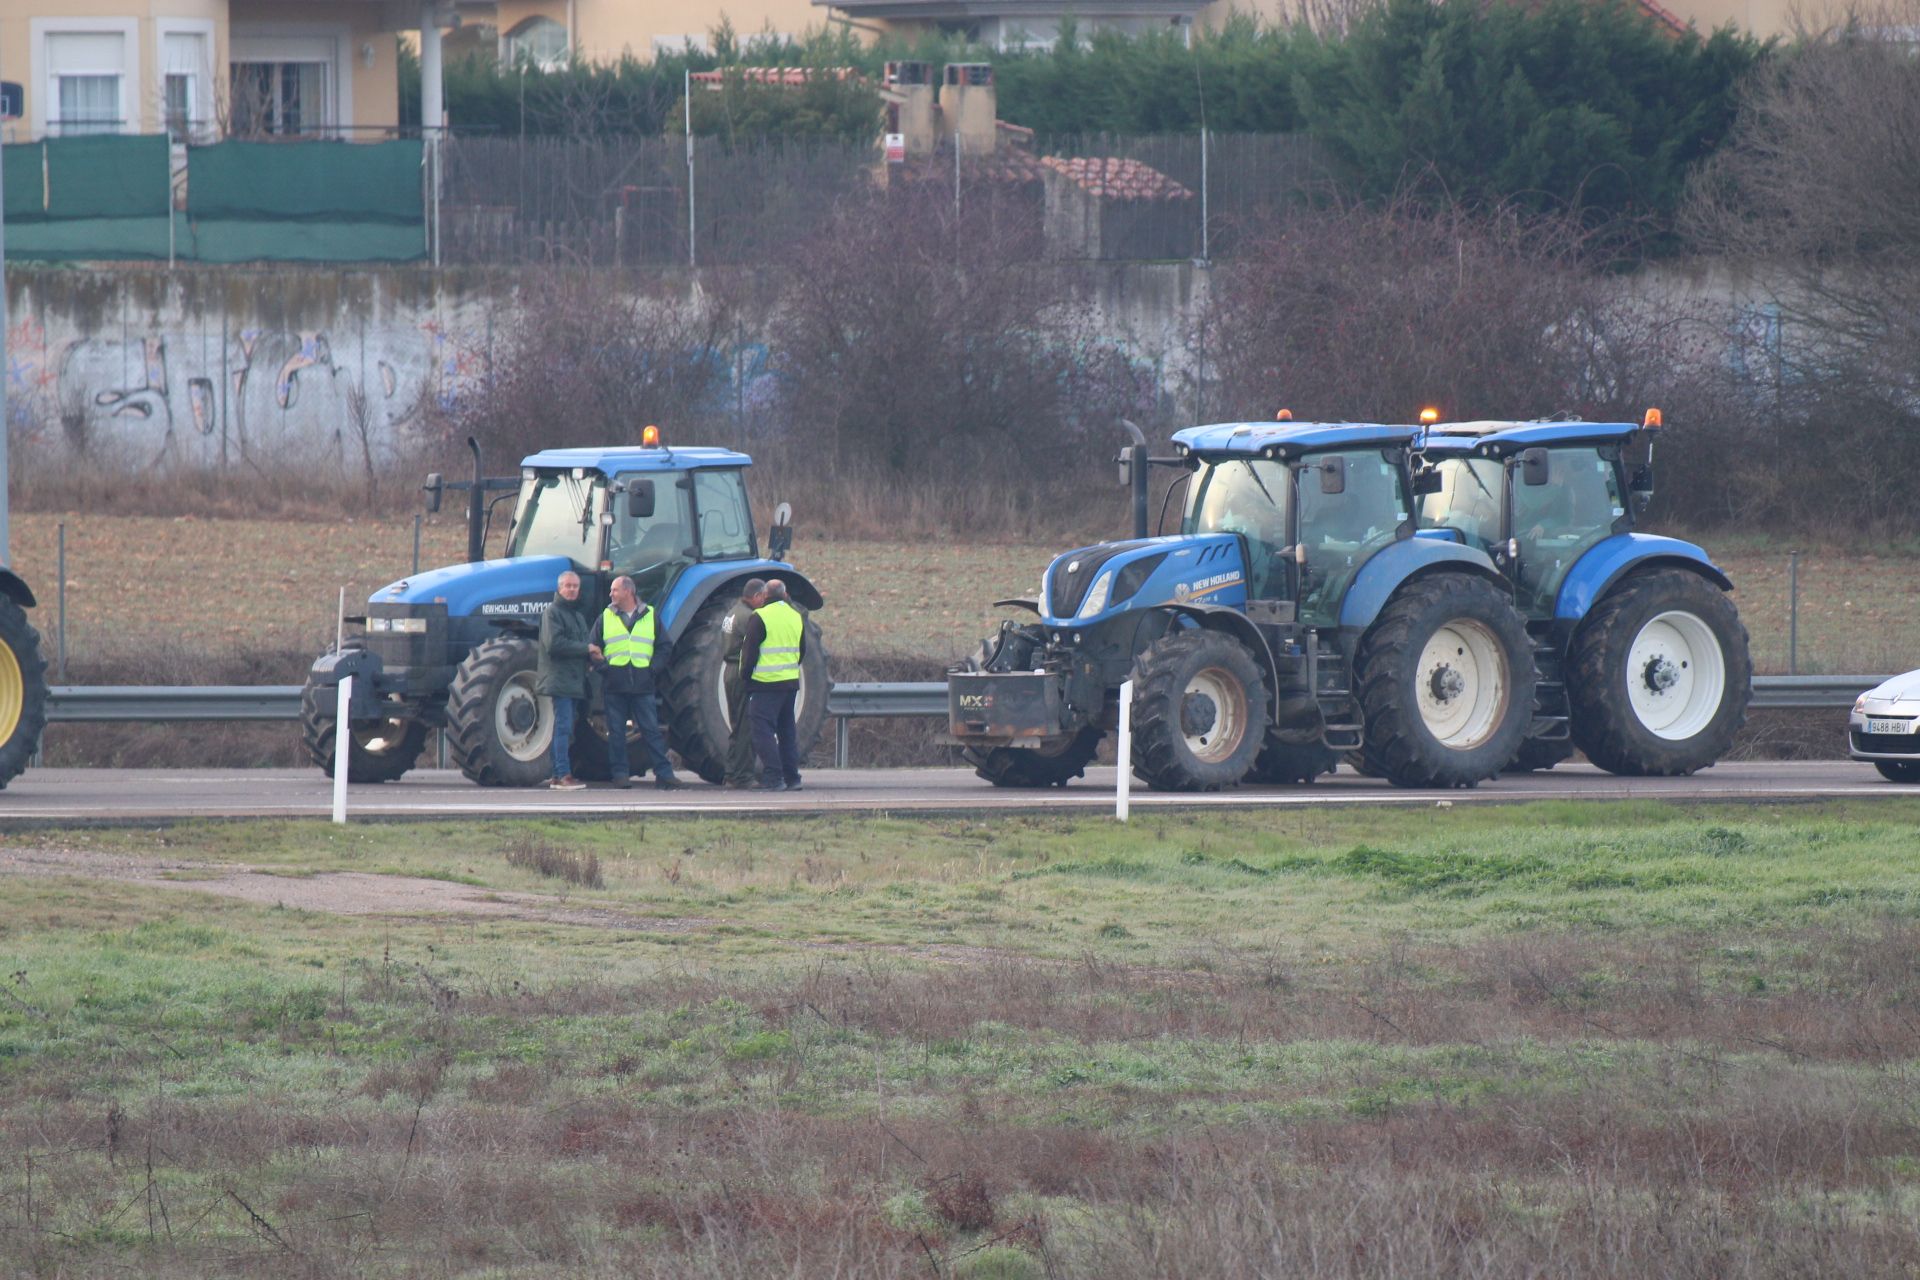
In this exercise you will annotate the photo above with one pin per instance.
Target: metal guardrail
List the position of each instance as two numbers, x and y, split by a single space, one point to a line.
72 704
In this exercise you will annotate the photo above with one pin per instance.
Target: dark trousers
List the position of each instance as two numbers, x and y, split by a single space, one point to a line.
644 710
565 712
775 738
740 767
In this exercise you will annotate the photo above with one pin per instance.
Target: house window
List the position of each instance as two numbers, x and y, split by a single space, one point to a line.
272 98
86 74
184 104
540 41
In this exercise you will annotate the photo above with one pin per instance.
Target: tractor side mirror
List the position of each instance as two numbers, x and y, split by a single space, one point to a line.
1426 481
780 537
639 499
1535 469
1333 475
435 486
1640 488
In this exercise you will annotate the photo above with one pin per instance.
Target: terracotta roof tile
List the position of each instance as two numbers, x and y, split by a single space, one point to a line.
1113 178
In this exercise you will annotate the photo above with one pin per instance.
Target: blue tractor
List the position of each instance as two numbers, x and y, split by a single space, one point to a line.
455 648
1642 656
1295 617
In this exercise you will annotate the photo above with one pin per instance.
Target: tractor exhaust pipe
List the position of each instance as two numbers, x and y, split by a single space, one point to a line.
476 508
1133 471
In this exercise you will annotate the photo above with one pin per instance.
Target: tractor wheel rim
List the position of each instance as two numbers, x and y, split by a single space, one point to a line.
1462 684
516 694
13 693
1676 675
1229 727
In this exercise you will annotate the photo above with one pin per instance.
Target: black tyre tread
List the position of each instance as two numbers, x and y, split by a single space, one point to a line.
469 724
1899 770
691 675
1159 752
1281 763
1398 747
1540 754
19 635
1604 728
317 716
1026 767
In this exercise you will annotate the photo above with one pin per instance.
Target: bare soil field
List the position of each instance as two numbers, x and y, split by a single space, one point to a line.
230 586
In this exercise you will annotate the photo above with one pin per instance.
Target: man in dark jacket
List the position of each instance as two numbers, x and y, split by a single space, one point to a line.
773 649
562 673
628 638
740 767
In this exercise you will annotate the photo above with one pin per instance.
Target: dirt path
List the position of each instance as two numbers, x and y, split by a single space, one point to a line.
348 893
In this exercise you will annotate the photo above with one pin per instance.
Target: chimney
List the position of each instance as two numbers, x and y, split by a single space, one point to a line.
907 88
967 106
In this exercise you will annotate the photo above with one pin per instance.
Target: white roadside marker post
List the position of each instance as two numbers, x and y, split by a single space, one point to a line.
342 741
1123 785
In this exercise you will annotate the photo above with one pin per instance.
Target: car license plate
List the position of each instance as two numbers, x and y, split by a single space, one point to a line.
1889 726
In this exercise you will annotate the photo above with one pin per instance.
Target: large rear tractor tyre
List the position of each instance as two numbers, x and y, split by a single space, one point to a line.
380 751
1282 763
23 691
1052 766
1199 712
499 731
693 704
1540 754
1446 681
1659 676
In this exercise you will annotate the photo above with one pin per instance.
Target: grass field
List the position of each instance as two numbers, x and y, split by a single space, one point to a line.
234 585
1568 1040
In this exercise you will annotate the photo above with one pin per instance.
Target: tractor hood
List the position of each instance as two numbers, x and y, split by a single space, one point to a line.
505 588
1094 583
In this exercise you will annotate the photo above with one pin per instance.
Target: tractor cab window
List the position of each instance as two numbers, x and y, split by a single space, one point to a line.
1469 501
1341 531
559 515
726 523
652 550
1557 521
1247 496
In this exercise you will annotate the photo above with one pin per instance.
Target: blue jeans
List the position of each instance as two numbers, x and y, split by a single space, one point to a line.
644 710
565 712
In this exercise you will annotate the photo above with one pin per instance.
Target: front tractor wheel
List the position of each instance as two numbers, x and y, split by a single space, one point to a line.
693 695
1199 712
499 731
1054 765
379 751
1659 676
23 690
1446 683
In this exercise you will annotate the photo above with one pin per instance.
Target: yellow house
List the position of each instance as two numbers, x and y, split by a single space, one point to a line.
605 30
201 69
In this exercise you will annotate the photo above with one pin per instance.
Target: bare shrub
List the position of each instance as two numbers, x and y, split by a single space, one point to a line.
531 853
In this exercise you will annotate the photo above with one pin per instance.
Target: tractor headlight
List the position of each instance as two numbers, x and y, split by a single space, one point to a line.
1097 598
406 626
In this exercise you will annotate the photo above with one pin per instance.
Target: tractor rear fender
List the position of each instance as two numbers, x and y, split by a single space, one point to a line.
15 589
1234 623
1399 564
1612 559
702 581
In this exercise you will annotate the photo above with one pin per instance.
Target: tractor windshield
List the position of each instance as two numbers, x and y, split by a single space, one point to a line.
1557 521
559 515
653 549
1250 497
1469 501
1340 531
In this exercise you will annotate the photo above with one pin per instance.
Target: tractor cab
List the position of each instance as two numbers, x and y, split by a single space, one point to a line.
1535 496
1310 503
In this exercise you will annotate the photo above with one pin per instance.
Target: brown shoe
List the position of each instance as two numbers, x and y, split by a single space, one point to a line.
568 783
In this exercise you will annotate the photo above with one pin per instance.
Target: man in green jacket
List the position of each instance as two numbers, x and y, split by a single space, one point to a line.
741 772
562 673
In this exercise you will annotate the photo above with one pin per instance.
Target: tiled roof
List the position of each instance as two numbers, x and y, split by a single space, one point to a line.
786 77
1116 179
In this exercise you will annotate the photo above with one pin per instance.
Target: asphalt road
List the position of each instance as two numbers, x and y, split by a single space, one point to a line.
117 795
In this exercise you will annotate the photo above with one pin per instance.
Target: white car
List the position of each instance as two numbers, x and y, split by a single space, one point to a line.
1885 728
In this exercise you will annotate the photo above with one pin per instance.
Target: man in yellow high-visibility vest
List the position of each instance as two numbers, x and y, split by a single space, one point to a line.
629 640
772 648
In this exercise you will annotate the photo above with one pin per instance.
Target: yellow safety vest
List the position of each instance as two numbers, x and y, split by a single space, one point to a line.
626 648
780 651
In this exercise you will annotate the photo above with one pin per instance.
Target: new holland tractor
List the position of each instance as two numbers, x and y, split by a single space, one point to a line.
455 648
23 679
1295 617
1642 656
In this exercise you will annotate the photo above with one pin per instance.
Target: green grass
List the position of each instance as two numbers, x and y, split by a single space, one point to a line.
1610 1037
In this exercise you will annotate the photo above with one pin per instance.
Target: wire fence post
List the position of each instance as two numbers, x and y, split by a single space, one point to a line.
61 569
1793 613
693 256
1206 254
1123 783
